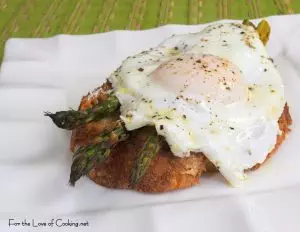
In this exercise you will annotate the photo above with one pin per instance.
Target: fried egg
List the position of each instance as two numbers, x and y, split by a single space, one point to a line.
216 92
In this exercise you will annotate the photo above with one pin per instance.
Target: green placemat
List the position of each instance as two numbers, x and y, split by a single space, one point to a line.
44 18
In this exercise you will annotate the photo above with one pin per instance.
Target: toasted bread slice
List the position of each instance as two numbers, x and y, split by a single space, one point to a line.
166 172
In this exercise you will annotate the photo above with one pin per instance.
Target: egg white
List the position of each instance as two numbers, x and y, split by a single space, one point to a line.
233 136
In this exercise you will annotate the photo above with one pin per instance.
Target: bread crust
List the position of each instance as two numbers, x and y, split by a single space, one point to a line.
166 172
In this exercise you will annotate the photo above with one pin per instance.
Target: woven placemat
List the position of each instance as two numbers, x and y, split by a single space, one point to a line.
44 18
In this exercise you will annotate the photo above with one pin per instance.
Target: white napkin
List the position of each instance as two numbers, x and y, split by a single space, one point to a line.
52 74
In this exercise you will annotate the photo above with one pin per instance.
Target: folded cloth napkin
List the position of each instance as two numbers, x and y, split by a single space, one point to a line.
52 74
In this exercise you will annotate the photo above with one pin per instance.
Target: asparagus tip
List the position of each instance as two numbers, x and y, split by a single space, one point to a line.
72 183
64 119
48 114
73 179
145 157
74 175
54 118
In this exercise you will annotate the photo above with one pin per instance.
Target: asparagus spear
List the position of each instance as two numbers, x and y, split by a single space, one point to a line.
247 22
72 119
87 156
145 156
263 29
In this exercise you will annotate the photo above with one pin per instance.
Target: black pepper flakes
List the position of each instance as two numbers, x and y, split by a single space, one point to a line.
198 61
265 70
179 59
141 69
175 48
184 116
231 128
228 88
161 127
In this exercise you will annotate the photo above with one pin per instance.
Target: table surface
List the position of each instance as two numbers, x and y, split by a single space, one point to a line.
44 18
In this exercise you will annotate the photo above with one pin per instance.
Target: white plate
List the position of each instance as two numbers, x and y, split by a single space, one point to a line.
52 74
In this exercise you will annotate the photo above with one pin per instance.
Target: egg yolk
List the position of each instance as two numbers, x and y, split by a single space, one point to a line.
205 78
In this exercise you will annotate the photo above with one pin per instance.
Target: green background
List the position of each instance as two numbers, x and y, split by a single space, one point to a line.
44 18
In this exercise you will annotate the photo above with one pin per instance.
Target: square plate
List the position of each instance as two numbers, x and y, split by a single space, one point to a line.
53 74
